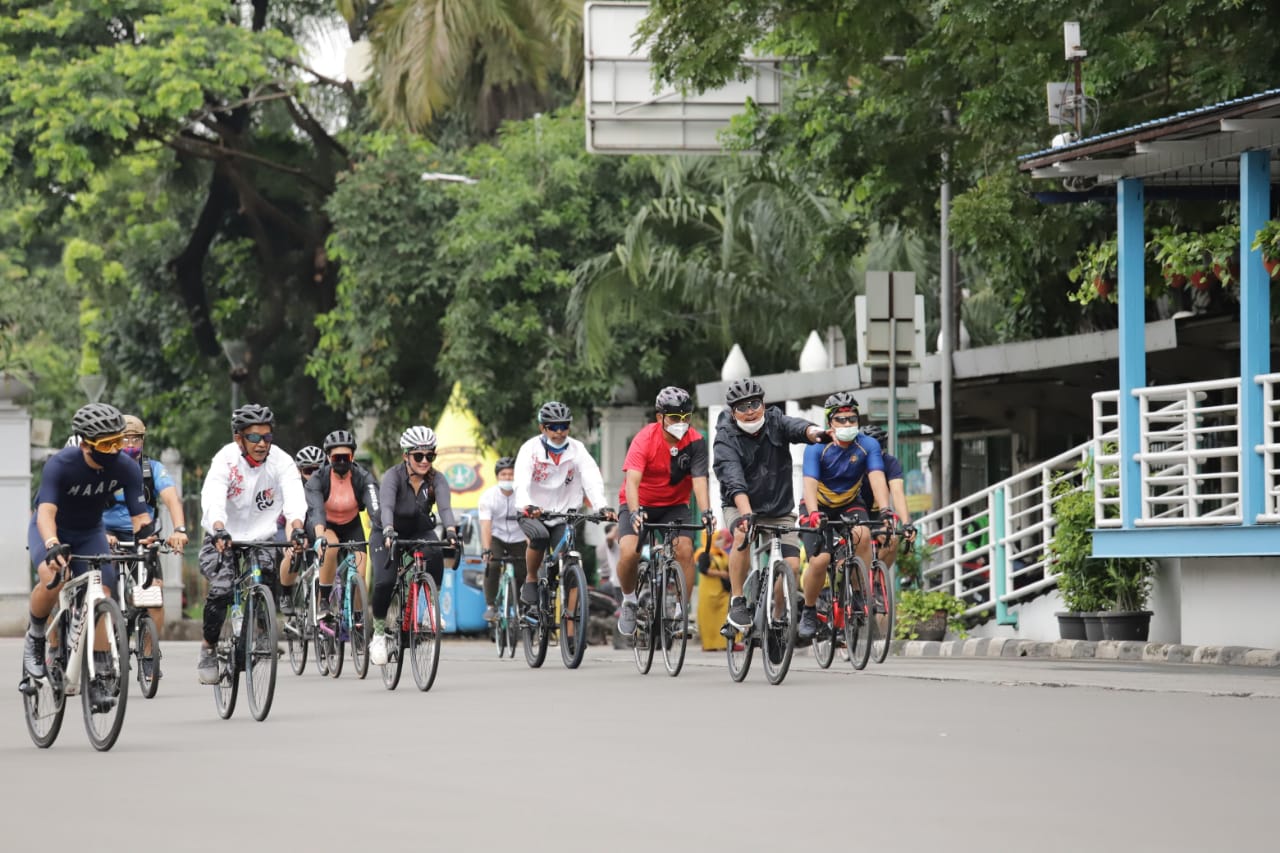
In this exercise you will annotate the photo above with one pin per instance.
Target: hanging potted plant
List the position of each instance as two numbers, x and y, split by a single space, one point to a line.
1095 272
1222 245
1268 241
1181 257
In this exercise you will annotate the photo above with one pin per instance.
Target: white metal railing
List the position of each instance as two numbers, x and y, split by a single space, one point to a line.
1270 446
1189 454
993 546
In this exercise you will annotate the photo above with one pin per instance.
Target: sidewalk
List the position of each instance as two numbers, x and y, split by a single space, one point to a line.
1084 649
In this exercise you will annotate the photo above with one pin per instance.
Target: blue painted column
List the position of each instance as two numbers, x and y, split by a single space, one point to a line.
1255 328
1133 343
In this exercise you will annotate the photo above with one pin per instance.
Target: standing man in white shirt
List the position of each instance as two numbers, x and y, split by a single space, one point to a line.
250 482
501 538
554 473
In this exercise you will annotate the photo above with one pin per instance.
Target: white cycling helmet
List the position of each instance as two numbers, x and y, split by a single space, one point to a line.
418 437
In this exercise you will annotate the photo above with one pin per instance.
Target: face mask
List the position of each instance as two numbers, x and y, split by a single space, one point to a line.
507 485
132 452
678 430
554 448
846 433
342 467
101 458
751 427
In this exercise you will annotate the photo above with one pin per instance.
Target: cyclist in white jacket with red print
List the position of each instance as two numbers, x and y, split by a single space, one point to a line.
250 482
554 473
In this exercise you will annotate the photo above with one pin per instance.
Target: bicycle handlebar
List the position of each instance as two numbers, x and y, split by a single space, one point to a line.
91 559
678 526
572 515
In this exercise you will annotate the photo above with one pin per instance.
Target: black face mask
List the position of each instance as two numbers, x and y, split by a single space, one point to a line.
101 458
342 467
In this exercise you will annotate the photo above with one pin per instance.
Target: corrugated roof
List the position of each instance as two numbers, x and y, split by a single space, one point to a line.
1152 124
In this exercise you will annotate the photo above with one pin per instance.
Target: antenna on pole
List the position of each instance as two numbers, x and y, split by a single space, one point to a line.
1075 55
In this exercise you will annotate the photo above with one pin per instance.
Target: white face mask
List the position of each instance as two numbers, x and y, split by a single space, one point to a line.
751 427
507 485
677 429
846 433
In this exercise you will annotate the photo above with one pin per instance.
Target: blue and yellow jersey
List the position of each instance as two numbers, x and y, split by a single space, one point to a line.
839 470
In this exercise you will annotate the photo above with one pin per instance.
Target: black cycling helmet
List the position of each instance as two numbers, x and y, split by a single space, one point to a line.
878 433
837 401
506 463
743 389
97 420
309 455
251 414
554 412
673 401
339 438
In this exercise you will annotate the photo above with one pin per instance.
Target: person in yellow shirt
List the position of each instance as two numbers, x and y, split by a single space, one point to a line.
713 590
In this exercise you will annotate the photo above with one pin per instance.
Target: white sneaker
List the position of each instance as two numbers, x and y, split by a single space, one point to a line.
378 649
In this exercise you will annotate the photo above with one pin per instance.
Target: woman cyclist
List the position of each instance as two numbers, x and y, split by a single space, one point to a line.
411 495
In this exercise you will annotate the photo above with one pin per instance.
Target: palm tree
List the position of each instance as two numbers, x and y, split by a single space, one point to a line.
727 251
489 60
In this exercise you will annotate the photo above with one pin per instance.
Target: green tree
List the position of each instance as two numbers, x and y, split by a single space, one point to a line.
482 62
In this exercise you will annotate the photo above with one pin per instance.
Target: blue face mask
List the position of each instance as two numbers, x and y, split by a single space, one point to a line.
554 448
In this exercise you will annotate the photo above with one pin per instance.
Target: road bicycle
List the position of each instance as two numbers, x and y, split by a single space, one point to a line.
770 591
413 616
662 613
561 611
847 616
349 603
300 626
83 614
506 606
134 579
249 634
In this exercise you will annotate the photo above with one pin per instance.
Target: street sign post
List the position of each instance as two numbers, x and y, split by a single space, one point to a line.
891 334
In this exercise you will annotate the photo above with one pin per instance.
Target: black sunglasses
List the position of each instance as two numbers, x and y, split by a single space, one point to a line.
747 406
556 427
423 457
257 437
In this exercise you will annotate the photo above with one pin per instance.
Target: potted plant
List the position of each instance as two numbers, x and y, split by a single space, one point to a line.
928 615
1081 578
1268 241
1128 585
911 563
1095 272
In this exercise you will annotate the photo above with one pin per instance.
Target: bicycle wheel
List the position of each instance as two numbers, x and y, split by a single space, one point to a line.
534 631
424 639
228 686
295 630
499 619
509 618
857 622
740 648
394 639
261 640
45 701
780 636
881 607
105 694
573 614
146 648
674 613
360 628
646 621
827 638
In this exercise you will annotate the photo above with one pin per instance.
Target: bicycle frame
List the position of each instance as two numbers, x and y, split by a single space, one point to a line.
763 604
73 602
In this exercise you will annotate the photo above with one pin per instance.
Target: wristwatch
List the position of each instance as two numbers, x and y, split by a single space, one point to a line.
182 529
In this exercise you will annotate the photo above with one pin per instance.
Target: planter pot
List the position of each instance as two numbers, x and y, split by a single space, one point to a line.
1071 626
1092 626
1126 625
933 628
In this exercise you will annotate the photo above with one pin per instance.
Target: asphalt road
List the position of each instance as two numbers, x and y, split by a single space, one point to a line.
915 755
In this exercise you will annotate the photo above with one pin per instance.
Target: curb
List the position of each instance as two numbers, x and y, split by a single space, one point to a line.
1003 647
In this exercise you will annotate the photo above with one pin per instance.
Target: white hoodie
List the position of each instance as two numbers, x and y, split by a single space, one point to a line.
557 488
249 500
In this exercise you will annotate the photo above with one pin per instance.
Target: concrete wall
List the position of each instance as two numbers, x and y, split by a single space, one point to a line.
1231 601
